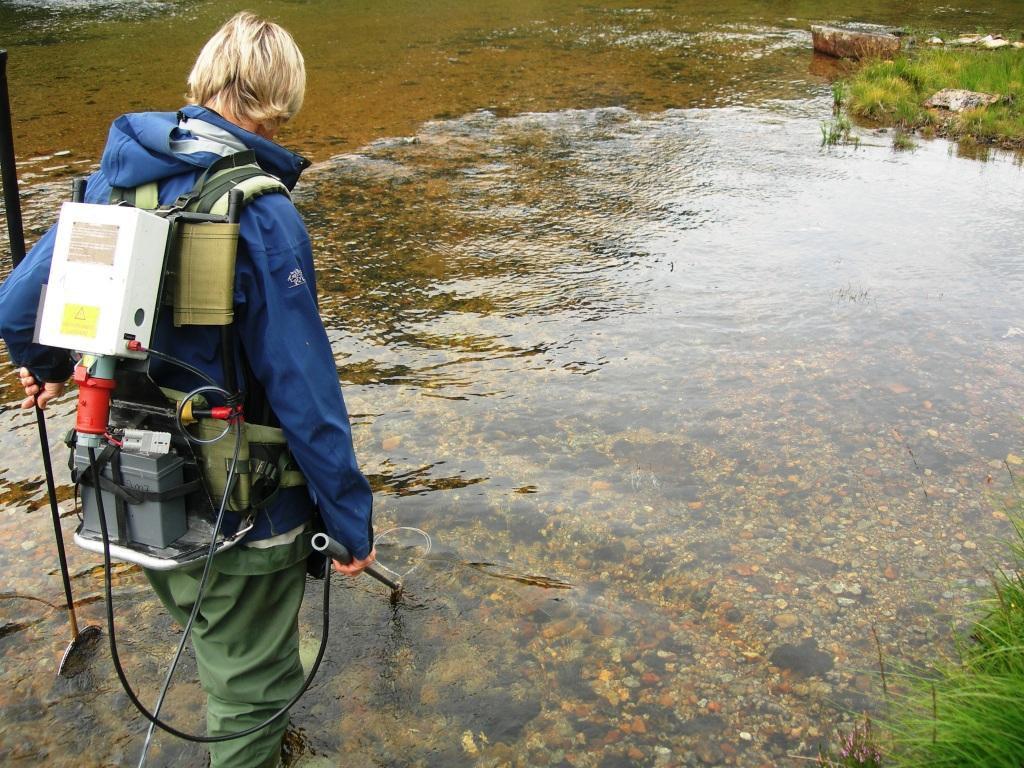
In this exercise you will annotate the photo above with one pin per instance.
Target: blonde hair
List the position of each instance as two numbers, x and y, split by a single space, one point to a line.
252 69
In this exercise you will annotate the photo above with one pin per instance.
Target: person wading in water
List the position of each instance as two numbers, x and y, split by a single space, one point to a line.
248 81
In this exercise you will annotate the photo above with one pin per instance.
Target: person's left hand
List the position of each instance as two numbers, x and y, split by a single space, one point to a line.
36 395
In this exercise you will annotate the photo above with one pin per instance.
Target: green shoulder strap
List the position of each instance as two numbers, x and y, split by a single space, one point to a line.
210 192
237 171
145 196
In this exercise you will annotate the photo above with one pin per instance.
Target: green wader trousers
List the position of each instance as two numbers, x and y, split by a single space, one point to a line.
246 639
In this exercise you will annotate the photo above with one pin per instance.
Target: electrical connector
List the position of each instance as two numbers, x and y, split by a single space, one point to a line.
144 441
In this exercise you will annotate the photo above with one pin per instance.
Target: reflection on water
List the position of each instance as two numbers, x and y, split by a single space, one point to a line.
384 71
689 407
58 22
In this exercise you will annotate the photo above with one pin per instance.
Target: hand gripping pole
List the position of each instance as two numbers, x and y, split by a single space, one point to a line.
324 543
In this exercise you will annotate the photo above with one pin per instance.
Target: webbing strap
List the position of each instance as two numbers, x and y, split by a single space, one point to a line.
121 492
209 193
146 196
225 163
252 180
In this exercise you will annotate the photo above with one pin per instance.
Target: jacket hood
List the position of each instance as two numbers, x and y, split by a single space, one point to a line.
139 150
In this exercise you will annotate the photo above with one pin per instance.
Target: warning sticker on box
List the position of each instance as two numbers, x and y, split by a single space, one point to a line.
80 320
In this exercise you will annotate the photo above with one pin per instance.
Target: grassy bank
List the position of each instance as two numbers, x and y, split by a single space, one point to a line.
971 713
967 713
893 93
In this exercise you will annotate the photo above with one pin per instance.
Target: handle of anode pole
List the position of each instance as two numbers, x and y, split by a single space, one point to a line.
338 551
12 202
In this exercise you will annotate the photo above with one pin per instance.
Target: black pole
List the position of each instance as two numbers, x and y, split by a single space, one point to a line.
12 202
16 235
44 446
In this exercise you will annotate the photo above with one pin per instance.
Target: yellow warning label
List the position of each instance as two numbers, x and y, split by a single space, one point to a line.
80 320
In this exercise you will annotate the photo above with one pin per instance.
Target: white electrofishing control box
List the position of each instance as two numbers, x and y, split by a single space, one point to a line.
104 279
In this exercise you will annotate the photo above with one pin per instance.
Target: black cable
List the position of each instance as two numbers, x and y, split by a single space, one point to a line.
179 414
181 364
108 593
228 488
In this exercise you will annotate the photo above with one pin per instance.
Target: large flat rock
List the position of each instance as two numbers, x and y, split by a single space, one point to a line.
854 43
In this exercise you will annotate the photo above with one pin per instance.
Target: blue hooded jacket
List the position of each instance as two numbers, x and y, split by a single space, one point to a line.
276 317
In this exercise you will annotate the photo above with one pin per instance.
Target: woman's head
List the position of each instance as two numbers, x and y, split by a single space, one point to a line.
252 72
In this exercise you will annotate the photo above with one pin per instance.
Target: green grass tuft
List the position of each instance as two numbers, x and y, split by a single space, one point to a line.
838 131
894 92
970 713
903 141
964 719
962 713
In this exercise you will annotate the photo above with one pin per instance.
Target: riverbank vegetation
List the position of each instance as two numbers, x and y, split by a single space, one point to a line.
969 712
962 713
894 93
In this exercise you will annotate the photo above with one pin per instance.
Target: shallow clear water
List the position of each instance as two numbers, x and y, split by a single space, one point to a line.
689 406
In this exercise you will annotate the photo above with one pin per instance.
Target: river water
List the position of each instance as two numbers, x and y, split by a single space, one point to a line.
700 416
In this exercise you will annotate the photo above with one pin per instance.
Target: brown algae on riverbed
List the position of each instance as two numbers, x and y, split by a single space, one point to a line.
688 407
